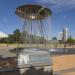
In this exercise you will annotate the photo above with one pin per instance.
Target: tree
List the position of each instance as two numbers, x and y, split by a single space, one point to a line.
9 39
70 40
3 40
54 38
13 38
16 36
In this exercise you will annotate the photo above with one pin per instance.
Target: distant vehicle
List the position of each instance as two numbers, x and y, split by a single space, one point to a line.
35 61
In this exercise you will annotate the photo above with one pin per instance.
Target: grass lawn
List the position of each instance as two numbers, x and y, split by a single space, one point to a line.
36 45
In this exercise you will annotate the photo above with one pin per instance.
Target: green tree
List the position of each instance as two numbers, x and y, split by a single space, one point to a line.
3 40
54 38
70 40
10 38
16 36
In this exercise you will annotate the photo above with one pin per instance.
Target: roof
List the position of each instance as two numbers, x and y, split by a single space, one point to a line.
3 35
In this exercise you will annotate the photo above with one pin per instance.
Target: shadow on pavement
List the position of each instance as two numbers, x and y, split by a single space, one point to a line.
31 71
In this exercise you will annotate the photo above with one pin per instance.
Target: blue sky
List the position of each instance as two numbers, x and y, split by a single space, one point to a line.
63 15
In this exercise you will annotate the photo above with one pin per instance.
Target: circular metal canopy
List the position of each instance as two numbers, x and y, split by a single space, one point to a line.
33 12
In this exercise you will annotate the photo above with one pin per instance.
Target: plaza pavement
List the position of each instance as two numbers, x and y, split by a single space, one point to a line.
4 51
62 64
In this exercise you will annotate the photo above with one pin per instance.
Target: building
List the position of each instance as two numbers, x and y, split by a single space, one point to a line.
60 36
65 34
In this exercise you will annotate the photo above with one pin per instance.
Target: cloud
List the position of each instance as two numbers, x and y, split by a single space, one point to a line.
58 3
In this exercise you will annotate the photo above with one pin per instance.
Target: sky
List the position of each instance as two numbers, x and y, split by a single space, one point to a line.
63 15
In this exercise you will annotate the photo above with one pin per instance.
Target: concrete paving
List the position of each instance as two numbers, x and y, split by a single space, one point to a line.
5 51
62 64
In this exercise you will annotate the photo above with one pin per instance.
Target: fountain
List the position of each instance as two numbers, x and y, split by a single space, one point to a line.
32 58
33 30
